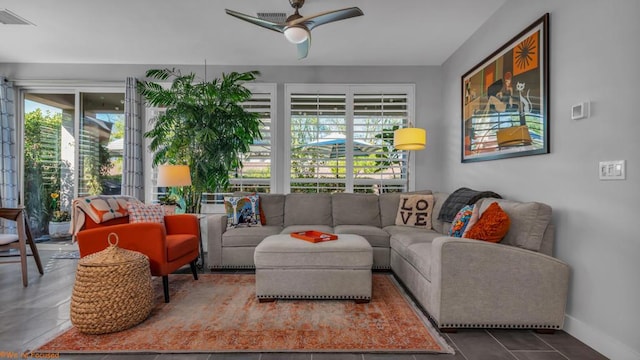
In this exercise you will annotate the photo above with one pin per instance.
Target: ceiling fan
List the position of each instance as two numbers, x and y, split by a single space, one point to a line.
297 28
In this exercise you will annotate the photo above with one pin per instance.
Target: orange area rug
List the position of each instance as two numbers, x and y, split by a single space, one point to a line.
220 313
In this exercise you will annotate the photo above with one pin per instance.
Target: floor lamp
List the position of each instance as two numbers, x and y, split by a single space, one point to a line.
409 139
173 176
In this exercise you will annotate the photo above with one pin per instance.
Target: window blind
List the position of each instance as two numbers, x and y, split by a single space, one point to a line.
342 141
255 175
318 125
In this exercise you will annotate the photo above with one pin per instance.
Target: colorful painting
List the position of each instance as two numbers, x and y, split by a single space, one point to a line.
505 107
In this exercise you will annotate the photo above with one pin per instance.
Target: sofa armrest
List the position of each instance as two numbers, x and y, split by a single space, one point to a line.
477 282
216 226
147 238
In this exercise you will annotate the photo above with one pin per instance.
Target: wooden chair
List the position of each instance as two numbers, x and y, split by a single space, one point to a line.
19 241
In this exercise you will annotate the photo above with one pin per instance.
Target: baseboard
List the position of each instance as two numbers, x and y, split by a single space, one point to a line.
599 341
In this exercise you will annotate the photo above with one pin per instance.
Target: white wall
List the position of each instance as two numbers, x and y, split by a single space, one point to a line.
426 78
594 50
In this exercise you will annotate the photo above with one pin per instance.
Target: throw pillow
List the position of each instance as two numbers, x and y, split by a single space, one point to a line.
242 211
460 221
475 215
492 225
415 211
261 216
139 213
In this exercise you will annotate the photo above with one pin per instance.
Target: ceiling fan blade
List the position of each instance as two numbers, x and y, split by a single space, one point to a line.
303 48
257 21
326 17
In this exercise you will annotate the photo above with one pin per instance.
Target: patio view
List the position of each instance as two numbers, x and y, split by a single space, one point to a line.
55 166
338 149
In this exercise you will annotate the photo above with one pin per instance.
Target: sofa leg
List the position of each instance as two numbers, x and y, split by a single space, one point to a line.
545 331
165 286
194 270
265 300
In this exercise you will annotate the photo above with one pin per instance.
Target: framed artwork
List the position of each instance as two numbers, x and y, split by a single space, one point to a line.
505 99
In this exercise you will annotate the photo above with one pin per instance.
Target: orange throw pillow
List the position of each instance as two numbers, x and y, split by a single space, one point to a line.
492 225
263 218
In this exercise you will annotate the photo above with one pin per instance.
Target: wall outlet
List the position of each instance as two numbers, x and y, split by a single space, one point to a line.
612 170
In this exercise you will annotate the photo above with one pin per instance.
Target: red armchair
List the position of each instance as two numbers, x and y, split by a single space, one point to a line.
169 246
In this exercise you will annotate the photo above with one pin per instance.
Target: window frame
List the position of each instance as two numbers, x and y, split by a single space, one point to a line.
76 88
349 90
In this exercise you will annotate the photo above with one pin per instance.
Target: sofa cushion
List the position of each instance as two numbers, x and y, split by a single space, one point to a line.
301 209
248 236
492 225
272 208
399 229
355 209
298 228
401 240
389 206
419 255
415 210
528 222
439 225
375 235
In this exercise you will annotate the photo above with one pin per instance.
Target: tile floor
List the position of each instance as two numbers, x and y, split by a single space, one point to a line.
29 316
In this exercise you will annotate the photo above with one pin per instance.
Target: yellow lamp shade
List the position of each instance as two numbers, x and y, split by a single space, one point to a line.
410 139
173 175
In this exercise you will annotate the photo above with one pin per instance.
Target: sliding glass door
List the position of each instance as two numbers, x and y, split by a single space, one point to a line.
72 147
101 144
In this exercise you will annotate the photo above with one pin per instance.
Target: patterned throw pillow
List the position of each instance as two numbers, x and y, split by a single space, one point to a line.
139 213
242 211
102 208
461 220
492 225
475 215
415 211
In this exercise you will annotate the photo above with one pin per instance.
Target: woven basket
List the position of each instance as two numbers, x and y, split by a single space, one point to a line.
113 290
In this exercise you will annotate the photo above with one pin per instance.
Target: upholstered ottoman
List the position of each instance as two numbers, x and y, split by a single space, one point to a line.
290 268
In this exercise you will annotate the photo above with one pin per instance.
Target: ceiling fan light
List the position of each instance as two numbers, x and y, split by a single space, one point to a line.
296 34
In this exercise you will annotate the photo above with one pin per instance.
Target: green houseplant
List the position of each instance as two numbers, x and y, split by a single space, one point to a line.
203 125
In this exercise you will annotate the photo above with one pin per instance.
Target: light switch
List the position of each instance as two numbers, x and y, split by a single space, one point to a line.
580 111
612 170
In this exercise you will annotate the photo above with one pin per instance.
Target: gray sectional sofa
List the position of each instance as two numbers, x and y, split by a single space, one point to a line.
461 283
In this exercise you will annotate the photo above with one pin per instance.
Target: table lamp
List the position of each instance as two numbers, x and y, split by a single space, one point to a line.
172 176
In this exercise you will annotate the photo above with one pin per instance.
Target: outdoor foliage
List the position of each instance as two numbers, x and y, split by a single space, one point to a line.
42 166
203 126
311 161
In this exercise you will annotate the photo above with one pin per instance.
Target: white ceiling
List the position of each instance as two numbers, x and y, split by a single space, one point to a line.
401 32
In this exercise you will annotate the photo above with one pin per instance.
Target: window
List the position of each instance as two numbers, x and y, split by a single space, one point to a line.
340 137
72 146
255 175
